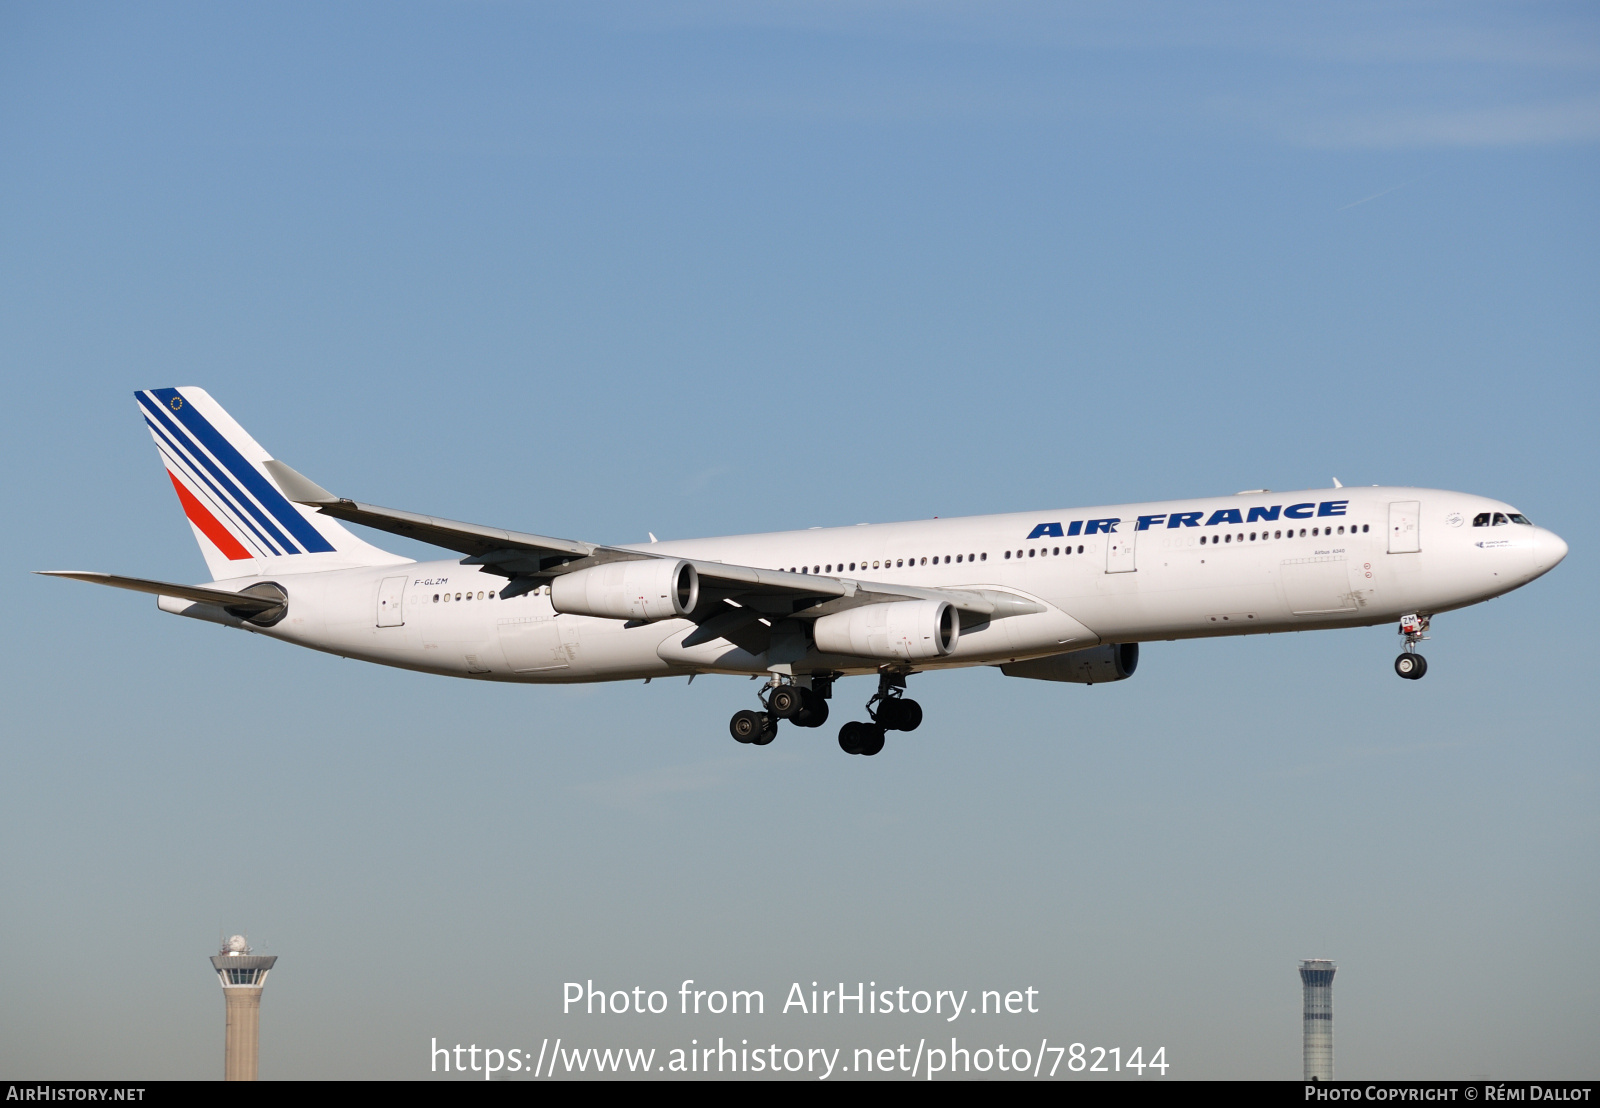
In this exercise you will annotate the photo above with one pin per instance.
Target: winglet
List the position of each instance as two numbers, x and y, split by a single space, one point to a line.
296 486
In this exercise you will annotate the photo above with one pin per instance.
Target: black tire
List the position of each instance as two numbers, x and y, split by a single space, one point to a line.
769 730
1422 667
872 742
850 737
1410 666
787 701
746 726
900 714
814 714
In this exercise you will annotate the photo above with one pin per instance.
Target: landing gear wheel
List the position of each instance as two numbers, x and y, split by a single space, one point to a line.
861 738
814 714
769 730
787 701
1411 666
872 742
906 715
851 737
746 726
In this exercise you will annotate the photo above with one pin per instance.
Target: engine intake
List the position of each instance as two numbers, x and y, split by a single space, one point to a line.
904 630
1111 662
650 589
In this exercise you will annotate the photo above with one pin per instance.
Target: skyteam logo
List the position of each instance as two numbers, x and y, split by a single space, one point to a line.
1218 518
223 494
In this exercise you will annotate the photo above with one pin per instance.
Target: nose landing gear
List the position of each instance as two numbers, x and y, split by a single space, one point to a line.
1410 664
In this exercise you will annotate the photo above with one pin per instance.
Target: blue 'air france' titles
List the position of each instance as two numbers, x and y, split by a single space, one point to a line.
1192 519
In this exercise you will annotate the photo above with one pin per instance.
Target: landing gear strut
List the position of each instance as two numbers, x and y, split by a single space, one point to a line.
1410 664
894 711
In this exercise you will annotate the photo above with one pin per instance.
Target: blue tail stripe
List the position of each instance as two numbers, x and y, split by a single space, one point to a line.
218 498
240 507
244 473
246 507
247 475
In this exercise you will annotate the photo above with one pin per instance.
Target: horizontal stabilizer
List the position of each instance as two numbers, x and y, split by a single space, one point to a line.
297 486
199 593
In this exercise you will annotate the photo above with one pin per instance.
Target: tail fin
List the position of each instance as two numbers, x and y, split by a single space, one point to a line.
244 524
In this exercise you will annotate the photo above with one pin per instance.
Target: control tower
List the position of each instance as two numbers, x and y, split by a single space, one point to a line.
242 975
1316 977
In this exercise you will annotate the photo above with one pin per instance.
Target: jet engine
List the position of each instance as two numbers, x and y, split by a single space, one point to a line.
905 630
1111 662
647 589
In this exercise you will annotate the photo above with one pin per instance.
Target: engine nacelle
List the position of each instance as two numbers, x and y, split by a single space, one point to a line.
1112 662
647 589
903 630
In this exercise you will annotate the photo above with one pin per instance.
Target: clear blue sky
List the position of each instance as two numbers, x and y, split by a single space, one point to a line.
708 268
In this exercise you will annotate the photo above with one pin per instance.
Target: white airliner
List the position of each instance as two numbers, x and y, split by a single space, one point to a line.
1058 595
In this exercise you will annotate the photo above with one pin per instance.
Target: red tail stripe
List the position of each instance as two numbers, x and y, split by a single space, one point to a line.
209 526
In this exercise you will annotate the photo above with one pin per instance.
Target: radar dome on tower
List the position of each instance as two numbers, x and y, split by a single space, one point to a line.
237 945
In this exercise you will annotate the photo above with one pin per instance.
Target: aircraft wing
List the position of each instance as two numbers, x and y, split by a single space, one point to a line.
531 560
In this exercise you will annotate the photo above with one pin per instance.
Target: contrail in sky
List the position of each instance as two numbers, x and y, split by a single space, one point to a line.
1374 196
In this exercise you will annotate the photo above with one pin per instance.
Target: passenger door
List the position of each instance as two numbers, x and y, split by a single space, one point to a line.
1120 552
391 601
1405 533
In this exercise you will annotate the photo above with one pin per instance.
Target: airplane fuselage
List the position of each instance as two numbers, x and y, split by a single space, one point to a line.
1246 564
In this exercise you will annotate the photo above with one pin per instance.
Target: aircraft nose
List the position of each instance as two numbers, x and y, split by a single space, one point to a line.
1552 548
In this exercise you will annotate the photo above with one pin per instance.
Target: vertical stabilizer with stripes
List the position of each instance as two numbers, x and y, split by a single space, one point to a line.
244 524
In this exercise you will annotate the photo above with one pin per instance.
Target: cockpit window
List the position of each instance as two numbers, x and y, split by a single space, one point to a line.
1519 518
1481 519
1500 519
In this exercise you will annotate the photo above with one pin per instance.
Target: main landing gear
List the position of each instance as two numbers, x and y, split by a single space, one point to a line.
894 712
803 707
1410 664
